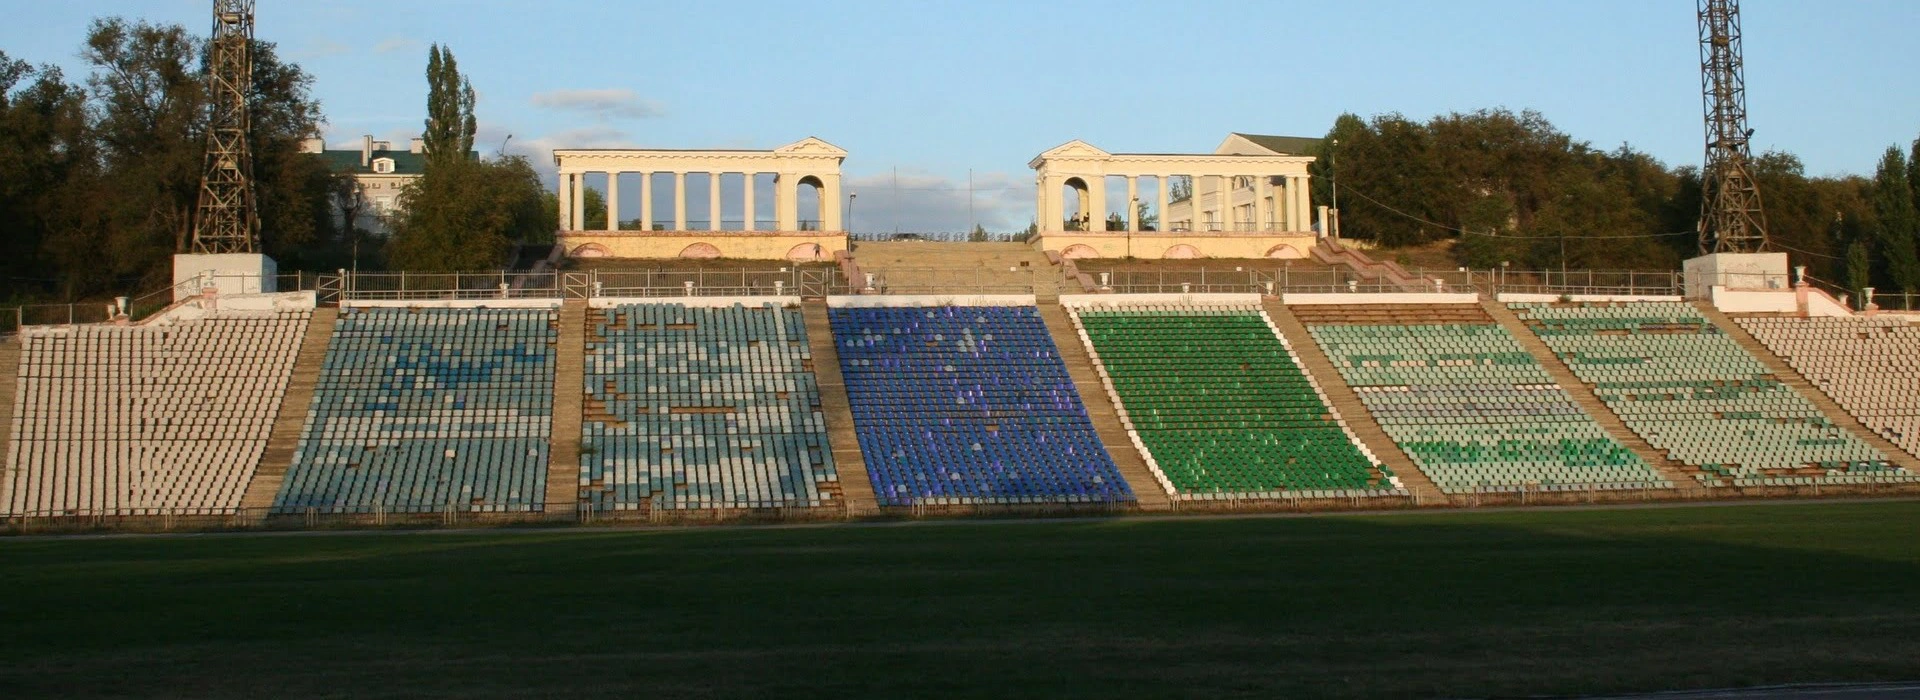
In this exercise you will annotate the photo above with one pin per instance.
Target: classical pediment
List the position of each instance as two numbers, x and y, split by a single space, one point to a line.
811 146
1074 149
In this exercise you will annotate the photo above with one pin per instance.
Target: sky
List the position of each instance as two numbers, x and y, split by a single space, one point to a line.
929 95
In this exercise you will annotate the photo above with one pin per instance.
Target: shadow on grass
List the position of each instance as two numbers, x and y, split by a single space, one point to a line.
1452 604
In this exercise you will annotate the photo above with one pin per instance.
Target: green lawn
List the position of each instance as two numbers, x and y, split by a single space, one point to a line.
1360 606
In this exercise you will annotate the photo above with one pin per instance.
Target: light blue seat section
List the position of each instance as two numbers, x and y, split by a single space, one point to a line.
693 407
424 410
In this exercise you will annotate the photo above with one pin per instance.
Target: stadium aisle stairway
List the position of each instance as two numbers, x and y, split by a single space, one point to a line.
1686 387
960 405
1869 367
1220 407
1103 410
703 408
848 461
147 420
569 370
292 418
424 410
1475 411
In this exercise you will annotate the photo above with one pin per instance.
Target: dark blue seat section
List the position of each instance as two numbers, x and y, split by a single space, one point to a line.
423 410
966 405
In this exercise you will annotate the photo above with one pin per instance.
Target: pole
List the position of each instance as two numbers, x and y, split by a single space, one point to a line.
1333 177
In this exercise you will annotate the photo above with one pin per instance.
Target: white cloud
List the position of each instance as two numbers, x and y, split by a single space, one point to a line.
396 43
925 203
603 104
321 48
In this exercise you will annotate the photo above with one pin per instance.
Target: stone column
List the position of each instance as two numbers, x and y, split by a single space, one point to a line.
579 205
679 200
1133 203
646 201
1097 203
786 200
1302 200
1224 203
830 203
613 200
713 201
747 199
565 195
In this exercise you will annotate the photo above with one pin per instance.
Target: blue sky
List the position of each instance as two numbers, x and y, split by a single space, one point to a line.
932 90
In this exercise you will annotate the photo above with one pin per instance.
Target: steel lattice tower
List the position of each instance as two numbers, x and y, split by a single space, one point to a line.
1730 217
225 220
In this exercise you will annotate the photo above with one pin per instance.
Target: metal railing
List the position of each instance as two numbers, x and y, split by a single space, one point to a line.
1273 281
1569 282
141 307
418 286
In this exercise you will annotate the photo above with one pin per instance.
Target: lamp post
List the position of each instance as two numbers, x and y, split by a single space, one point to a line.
1133 222
1333 177
850 197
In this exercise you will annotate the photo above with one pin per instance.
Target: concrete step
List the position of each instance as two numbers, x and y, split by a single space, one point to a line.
1100 408
291 419
9 392
1347 405
1680 474
848 462
569 396
1793 379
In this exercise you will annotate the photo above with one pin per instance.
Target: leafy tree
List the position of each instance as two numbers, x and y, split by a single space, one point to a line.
1898 221
450 98
467 216
1859 269
979 234
48 170
595 206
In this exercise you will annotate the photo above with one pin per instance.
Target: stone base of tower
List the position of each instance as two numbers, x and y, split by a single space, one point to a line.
1735 271
230 273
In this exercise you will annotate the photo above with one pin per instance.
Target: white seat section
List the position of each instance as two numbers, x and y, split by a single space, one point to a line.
1870 366
147 420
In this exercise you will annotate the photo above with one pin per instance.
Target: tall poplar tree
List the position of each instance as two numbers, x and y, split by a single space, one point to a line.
450 122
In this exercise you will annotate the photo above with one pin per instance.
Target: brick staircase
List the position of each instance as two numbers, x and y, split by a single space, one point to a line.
1791 377
1680 474
1100 408
926 267
1347 405
847 460
569 395
9 390
292 416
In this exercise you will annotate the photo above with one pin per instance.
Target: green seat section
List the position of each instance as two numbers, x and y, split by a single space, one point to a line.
1476 412
1689 389
1221 408
690 407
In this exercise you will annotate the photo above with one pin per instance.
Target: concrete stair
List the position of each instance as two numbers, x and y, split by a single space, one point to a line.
927 267
9 392
1791 377
1106 420
292 416
569 396
848 462
1680 474
1347 405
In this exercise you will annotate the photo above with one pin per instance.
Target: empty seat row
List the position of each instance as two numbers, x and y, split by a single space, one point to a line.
426 410
1869 366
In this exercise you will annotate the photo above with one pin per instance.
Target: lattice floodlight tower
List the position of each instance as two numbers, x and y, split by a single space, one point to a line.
225 220
1730 217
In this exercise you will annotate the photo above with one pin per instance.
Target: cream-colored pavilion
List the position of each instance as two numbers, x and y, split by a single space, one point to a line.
809 162
1247 199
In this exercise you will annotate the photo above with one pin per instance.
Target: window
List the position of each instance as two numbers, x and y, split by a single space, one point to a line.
383 165
384 205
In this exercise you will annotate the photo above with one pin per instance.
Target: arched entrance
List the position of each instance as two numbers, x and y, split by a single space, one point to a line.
808 199
590 250
1181 252
703 251
807 252
1080 218
1079 251
1285 252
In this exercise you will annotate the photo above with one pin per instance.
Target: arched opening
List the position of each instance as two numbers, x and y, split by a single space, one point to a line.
1079 251
590 250
702 251
1079 218
807 252
807 196
1285 252
1181 252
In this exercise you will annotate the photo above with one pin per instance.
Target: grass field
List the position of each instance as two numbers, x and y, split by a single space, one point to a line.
1492 603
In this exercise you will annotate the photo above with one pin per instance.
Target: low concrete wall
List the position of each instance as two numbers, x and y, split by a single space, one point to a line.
1378 298
694 302
1082 301
1155 245
798 246
1754 302
909 300
1540 298
450 303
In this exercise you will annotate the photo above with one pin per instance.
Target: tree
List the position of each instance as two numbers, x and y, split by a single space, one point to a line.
979 234
1859 270
594 206
450 98
48 170
1898 221
1148 222
467 216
